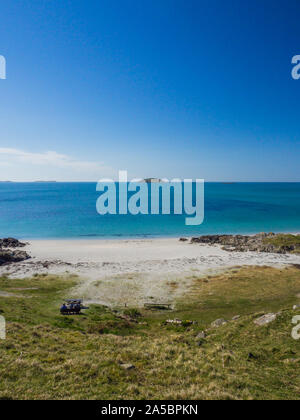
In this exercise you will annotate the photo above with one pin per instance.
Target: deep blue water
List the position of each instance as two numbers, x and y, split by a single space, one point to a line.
68 210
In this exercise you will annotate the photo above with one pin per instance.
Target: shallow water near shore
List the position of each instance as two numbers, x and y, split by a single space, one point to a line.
68 210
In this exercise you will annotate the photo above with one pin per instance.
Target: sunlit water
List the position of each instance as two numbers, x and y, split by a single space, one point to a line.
68 210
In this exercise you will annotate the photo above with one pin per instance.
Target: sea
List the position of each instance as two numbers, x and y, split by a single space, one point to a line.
53 210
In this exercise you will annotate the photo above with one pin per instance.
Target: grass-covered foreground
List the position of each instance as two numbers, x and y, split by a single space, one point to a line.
48 356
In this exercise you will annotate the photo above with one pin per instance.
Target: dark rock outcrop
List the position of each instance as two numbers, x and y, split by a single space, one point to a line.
8 252
11 243
244 243
9 256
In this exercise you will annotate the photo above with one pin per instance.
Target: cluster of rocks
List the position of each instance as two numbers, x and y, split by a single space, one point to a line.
9 253
11 243
243 243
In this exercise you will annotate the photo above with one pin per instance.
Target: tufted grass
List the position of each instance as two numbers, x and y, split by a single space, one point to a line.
47 356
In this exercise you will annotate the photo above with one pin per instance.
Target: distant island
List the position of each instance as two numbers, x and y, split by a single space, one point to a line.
152 180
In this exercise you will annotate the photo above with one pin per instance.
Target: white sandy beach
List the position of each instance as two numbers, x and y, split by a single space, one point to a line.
134 271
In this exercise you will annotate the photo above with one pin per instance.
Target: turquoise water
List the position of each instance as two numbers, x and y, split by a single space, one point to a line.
68 210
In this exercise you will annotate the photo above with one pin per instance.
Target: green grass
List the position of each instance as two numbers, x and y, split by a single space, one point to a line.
285 240
240 291
48 356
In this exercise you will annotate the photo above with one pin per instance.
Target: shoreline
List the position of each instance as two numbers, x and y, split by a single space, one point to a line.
145 236
134 271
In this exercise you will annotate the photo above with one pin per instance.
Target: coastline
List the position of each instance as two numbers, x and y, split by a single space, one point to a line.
132 271
138 237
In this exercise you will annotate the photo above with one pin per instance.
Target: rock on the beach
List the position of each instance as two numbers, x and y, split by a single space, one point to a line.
11 243
265 319
244 243
218 323
9 257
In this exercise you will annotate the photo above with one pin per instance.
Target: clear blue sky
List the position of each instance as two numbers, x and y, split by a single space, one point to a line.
166 88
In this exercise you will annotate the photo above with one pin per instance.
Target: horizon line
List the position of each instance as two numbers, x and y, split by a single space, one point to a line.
95 182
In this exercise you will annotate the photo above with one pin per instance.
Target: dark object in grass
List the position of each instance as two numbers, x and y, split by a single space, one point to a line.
251 356
72 307
158 306
132 313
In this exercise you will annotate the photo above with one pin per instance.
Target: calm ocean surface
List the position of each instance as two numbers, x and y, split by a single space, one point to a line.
68 210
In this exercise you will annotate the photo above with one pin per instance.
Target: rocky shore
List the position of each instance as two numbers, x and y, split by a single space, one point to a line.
9 253
11 243
262 242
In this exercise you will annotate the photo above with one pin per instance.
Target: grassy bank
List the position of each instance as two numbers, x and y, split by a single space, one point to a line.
48 356
287 242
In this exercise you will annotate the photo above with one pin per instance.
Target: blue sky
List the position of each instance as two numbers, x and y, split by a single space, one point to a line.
166 88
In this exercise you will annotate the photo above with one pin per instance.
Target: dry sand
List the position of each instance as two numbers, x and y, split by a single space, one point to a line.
133 272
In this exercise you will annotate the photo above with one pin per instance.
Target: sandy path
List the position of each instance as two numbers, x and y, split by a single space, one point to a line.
134 271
